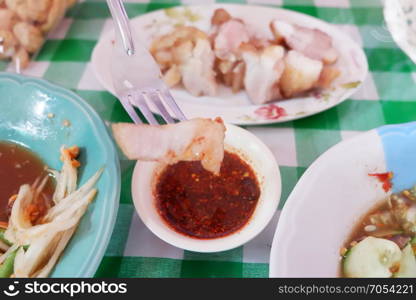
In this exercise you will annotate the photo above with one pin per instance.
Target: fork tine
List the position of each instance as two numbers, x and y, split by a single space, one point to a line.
155 98
140 101
170 102
130 109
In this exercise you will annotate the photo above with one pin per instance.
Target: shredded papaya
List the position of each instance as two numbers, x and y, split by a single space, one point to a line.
12 199
72 153
75 163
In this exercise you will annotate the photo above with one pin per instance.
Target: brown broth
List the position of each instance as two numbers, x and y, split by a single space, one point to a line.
358 233
390 228
18 166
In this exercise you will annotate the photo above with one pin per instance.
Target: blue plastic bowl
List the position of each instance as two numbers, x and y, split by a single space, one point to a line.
25 118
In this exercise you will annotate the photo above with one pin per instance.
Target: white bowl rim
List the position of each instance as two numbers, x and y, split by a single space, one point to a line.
269 179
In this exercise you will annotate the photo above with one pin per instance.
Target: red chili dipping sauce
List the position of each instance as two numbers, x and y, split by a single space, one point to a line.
195 202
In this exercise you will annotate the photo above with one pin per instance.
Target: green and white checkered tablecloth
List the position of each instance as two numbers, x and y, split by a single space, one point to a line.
388 96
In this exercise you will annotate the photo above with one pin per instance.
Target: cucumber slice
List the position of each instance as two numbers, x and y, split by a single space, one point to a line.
372 257
407 264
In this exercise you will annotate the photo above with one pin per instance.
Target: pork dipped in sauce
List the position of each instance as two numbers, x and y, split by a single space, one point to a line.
196 139
203 191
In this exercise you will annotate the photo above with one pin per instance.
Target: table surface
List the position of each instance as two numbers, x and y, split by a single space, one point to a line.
387 96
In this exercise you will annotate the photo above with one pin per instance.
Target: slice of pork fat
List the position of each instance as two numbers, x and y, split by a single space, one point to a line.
300 73
197 71
196 139
228 38
263 71
312 43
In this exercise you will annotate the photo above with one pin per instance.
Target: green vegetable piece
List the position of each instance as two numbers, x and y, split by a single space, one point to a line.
3 239
6 269
372 257
351 85
173 13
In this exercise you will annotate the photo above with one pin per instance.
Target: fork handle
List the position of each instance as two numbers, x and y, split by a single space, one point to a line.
121 21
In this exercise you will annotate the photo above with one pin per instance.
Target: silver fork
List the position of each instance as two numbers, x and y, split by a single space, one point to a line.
136 76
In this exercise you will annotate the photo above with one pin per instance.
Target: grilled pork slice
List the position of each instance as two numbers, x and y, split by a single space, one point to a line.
312 43
263 71
228 38
197 70
327 77
196 139
229 35
300 73
162 46
185 54
219 17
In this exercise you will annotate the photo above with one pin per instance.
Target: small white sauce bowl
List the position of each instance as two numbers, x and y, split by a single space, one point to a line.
250 149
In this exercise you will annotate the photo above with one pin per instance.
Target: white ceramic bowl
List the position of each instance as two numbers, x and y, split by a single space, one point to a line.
256 154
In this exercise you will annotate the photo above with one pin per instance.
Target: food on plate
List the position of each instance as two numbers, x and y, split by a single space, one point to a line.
228 38
199 204
7 19
196 139
196 68
383 244
30 37
300 73
41 218
8 43
295 61
21 59
220 16
264 69
34 11
312 43
385 179
328 74
26 23
56 11
373 257
186 55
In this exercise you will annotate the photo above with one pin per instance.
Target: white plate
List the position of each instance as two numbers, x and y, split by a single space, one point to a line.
237 108
333 194
256 154
400 16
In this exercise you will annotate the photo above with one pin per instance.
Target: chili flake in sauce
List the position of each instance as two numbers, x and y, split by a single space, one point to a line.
385 179
195 202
